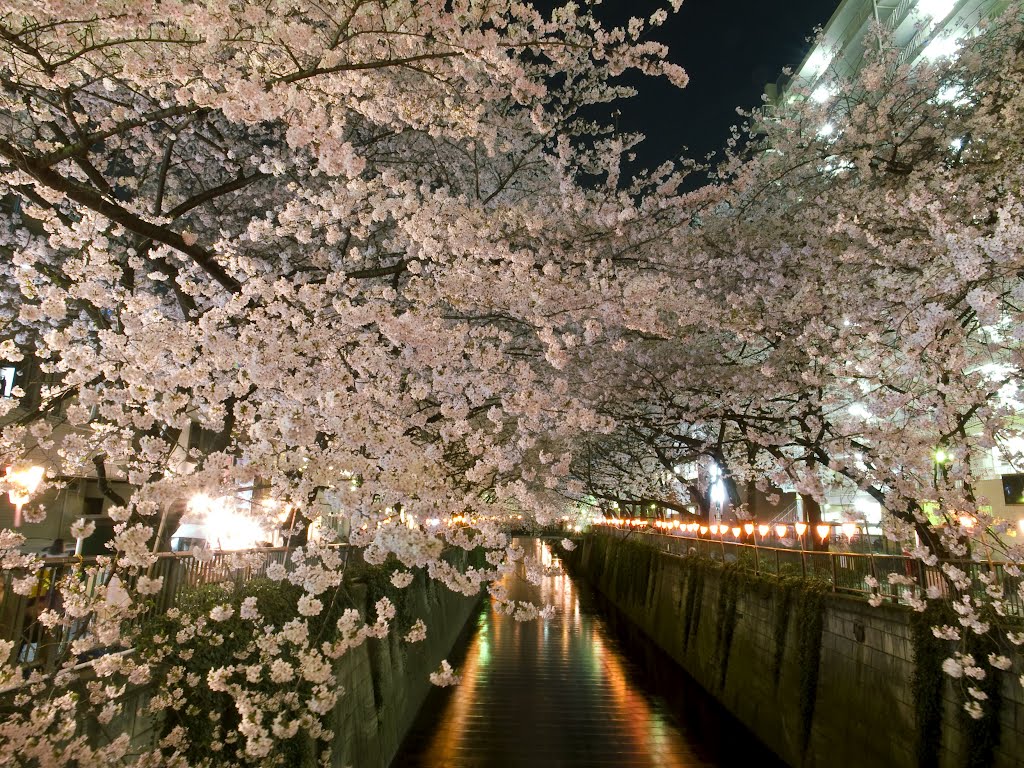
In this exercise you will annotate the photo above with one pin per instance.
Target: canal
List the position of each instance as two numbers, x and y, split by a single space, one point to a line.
581 689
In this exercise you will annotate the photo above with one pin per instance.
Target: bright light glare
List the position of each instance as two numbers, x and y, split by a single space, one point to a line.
858 410
826 130
718 493
25 481
943 47
936 10
226 527
869 509
817 63
822 94
952 94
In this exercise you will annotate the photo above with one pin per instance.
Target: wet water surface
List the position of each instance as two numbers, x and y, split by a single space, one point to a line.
584 688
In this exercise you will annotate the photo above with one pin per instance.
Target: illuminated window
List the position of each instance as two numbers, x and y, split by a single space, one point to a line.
7 374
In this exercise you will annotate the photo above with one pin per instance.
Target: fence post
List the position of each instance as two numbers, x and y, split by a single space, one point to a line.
803 563
835 573
777 566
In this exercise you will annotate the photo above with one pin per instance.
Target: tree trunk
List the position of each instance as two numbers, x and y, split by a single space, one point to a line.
812 516
752 500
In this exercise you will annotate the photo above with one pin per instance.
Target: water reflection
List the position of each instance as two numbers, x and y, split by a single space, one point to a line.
568 692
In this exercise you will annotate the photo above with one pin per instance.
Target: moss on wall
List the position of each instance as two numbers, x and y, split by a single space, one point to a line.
692 603
809 607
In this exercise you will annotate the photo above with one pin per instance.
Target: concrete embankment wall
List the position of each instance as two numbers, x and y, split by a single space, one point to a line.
386 681
821 679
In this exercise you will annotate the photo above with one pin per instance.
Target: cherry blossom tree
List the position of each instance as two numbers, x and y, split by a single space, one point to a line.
343 239
843 306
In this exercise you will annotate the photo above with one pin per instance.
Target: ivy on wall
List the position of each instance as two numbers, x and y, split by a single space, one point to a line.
205 736
205 716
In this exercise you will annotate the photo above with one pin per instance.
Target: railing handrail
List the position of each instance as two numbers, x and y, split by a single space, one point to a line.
716 540
179 570
847 572
49 560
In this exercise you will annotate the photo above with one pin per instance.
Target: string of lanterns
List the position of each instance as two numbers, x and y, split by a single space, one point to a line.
781 530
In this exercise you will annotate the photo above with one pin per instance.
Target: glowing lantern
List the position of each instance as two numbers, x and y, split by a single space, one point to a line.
714 528
748 528
780 530
736 531
763 530
704 529
823 531
801 529
849 529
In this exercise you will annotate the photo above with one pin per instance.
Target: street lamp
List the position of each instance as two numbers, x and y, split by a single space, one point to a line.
24 483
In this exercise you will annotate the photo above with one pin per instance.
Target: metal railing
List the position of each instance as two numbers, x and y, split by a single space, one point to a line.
847 572
37 645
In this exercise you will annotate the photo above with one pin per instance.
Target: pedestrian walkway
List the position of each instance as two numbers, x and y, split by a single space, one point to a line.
564 693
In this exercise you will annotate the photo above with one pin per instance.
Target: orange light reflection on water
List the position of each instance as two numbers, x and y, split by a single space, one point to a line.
572 644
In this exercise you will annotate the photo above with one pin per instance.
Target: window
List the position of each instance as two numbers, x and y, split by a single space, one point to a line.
92 507
201 439
7 375
1013 489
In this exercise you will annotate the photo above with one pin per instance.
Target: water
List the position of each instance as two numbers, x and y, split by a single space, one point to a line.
582 689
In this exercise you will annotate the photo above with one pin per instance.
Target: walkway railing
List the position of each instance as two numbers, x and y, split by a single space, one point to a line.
38 645
848 572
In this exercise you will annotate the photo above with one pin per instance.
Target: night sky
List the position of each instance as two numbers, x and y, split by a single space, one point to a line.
730 49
